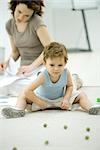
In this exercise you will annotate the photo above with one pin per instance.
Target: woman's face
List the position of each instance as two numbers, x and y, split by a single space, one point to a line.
22 13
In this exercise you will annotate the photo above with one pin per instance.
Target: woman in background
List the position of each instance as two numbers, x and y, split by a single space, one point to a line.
28 34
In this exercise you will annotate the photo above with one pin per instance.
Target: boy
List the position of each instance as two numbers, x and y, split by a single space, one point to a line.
52 88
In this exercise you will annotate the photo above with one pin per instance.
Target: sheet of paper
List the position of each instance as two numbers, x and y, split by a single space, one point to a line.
5 101
6 80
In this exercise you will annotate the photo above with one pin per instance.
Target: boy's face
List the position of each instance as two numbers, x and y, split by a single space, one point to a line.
22 13
55 66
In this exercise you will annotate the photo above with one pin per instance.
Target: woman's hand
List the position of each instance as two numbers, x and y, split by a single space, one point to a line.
25 70
3 66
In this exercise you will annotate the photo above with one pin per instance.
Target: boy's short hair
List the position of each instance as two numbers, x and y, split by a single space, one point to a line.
53 50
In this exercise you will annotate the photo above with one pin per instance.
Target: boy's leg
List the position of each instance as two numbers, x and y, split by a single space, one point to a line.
22 101
18 110
50 104
77 81
36 107
85 103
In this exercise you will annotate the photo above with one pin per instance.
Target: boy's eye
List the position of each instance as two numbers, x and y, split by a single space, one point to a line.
51 65
60 65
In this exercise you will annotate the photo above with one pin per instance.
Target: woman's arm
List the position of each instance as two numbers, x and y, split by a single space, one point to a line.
44 36
14 54
14 51
45 39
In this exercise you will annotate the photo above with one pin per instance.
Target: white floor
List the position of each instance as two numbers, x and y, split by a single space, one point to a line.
29 133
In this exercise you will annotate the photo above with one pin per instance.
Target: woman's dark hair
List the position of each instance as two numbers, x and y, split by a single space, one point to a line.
35 5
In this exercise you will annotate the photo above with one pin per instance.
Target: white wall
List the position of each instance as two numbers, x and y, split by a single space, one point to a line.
4 15
67 25
64 24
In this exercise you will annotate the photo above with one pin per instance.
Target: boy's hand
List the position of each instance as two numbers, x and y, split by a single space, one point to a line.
65 104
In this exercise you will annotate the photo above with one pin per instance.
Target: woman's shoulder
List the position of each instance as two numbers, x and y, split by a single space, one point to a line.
9 25
36 18
36 21
10 22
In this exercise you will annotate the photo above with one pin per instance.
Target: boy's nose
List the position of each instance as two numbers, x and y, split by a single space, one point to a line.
56 67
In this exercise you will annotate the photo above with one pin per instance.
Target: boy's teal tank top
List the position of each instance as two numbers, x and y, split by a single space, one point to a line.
52 90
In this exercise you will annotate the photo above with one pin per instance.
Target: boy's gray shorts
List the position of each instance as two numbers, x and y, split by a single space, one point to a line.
57 102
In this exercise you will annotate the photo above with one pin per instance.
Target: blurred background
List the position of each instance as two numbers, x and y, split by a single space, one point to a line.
75 23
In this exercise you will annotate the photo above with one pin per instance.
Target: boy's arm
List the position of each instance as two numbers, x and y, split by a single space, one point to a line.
69 87
30 94
68 92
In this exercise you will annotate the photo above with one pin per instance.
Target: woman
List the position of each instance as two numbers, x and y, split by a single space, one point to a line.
28 34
